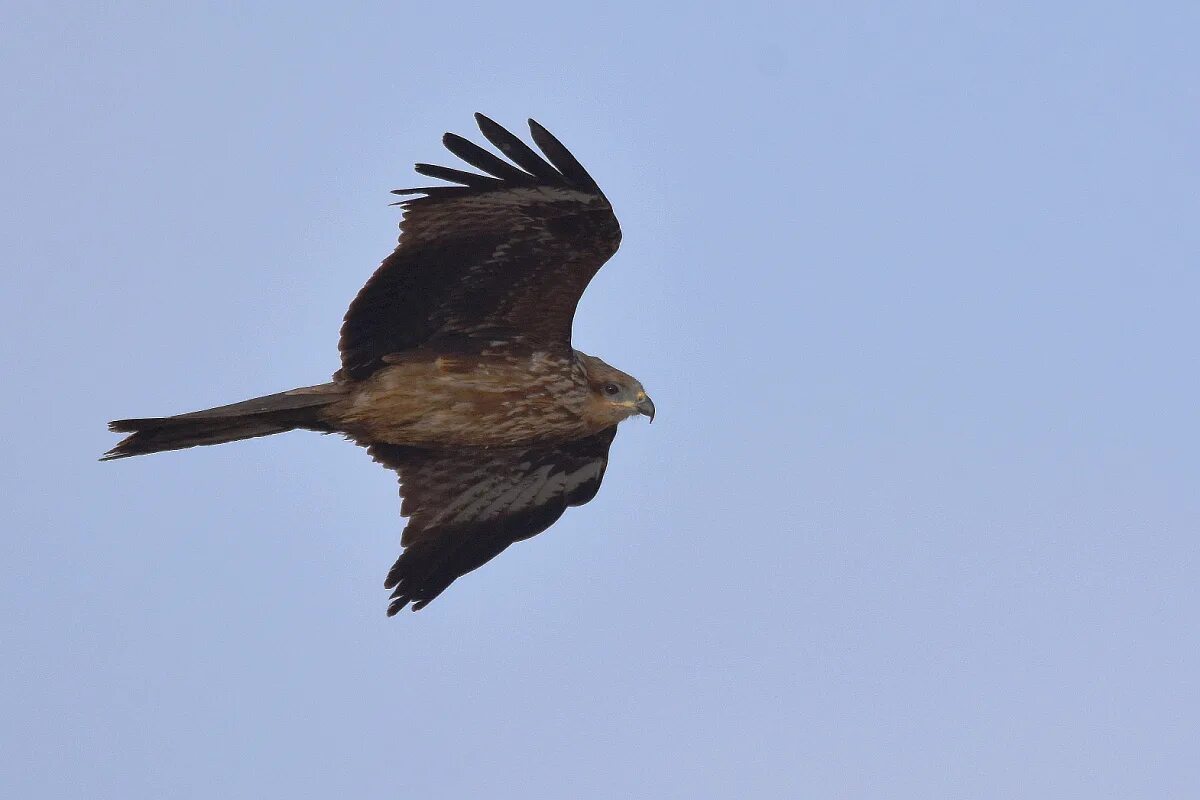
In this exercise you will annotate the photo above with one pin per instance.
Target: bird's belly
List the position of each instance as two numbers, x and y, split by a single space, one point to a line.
465 409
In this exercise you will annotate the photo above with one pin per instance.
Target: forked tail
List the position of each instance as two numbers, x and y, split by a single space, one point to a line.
262 416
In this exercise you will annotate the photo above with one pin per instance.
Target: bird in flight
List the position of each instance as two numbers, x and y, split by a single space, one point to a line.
457 369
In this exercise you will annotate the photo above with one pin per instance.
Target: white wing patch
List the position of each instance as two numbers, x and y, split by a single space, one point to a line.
522 490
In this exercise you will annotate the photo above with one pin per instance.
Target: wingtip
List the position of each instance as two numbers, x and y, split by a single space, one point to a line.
397 605
486 123
115 454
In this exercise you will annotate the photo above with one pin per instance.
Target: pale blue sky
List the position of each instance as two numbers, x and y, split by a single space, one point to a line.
914 287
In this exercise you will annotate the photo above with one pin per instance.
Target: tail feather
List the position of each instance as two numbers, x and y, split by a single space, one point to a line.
262 416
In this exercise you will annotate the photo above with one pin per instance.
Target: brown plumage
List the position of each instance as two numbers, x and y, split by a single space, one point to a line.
457 365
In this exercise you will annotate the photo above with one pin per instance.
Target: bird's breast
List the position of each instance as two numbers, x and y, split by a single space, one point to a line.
452 400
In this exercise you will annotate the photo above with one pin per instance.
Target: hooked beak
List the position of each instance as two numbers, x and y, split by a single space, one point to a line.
646 406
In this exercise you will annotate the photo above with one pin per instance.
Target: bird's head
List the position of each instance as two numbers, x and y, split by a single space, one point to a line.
615 395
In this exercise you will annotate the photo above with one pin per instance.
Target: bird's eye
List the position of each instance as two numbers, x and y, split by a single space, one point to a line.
611 388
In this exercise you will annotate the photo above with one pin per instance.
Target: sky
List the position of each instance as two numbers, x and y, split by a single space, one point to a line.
914 288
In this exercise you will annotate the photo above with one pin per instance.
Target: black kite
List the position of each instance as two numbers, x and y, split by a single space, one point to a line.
457 365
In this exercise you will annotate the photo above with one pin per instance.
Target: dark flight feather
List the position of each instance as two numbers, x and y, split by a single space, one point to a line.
561 157
479 158
518 151
468 179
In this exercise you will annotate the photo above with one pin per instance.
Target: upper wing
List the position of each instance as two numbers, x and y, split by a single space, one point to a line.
501 257
466 506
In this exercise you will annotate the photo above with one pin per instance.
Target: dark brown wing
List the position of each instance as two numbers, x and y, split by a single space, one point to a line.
466 506
501 257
